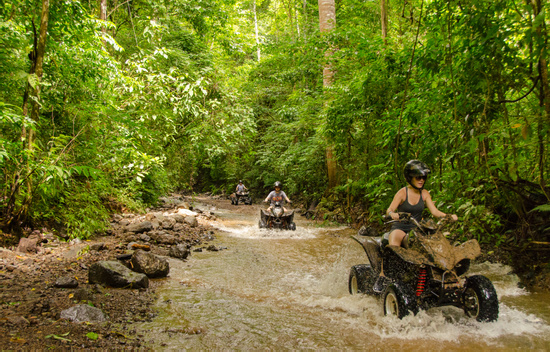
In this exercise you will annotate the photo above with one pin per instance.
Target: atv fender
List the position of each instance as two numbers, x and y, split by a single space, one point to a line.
410 255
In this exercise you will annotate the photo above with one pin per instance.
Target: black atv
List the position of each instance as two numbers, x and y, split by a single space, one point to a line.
242 197
277 218
430 273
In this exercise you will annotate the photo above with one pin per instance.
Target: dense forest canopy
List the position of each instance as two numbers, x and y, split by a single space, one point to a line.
112 103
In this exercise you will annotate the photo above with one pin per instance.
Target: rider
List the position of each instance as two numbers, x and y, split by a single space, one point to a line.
276 196
239 190
411 199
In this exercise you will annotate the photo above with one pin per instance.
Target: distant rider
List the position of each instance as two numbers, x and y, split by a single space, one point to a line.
239 190
276 196
411 199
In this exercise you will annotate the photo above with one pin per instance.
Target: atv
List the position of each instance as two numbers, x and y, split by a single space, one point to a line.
277 218
241 197
430 273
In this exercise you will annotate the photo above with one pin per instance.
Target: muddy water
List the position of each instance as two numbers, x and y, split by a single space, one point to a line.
288 290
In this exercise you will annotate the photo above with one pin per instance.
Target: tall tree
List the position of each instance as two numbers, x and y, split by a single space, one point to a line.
327 22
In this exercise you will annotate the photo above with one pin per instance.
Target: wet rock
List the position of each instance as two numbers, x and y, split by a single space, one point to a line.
66 282
98 246
191 221
82 313
212 248
143 237
149 264
28 245
166 239
168 223
124 222
114 274
140 227
179 218
180 251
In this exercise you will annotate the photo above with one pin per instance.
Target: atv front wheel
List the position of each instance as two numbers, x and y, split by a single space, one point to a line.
397 302
480 299
262 224
360 279
292 226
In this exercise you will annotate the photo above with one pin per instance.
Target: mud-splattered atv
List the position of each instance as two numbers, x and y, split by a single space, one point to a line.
277 218
241 197
430 273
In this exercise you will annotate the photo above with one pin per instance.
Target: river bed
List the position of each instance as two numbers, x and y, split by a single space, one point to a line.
288 290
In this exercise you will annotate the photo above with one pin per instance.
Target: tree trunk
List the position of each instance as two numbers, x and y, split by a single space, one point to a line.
327 22
32 93
545 89
256 30
103 13
384 19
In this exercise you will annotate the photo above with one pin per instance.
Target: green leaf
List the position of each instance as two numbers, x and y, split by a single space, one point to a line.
92 336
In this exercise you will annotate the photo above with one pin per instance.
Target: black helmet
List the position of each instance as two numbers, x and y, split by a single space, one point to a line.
278 184
415 168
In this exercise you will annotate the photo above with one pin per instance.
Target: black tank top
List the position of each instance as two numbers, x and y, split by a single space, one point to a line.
406 207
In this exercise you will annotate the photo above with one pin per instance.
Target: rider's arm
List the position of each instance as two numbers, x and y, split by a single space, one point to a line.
432 208
397 200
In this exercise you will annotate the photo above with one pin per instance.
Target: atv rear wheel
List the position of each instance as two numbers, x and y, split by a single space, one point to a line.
361 279
480 299
262 224
397 302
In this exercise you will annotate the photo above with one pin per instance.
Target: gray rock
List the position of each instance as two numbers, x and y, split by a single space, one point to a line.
124 222
150 264
66 282
179 218
166 239
140 227
98 246
191 221
180 251
114 274
28 245
82 313
144 237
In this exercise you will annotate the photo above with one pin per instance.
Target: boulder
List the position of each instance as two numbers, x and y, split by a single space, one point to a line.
149 264
140 227
114 274
82 313
28 245
180 251
179 218
66 282
191 221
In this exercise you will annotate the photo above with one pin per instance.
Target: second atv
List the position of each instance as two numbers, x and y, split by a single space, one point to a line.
277 218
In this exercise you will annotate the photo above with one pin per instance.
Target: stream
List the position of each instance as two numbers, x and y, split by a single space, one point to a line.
288 290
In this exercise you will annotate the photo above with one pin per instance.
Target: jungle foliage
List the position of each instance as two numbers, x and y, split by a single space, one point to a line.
186 95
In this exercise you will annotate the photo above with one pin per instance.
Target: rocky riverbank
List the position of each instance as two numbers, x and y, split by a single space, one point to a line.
45 282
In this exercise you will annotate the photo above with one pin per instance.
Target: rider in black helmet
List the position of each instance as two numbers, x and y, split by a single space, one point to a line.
411 199
277 195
